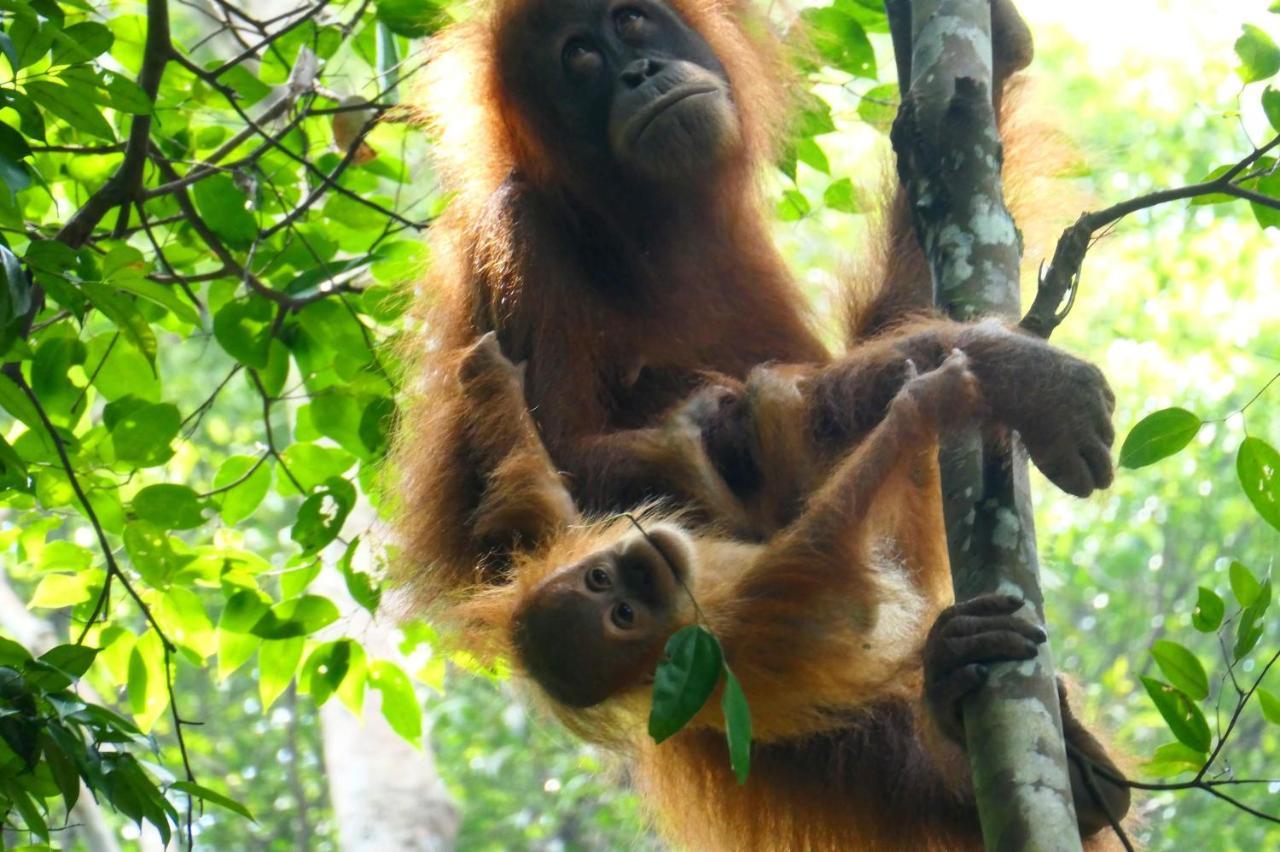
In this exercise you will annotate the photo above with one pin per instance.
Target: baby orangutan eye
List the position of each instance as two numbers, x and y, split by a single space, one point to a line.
598 579
623 615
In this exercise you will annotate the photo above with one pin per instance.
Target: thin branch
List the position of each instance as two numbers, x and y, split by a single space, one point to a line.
1063 274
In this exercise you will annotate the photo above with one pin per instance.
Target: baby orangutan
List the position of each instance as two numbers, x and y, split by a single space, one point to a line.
824 625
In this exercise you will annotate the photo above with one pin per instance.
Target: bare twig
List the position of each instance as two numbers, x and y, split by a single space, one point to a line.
1062 277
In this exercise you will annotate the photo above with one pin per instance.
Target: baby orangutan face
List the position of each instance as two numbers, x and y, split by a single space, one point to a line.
598 627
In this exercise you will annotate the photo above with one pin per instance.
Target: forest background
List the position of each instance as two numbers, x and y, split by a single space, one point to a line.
204 266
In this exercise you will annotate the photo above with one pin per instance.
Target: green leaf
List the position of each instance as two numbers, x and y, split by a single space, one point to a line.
126 95
1207 616
312 465
142 436
399 703
72 105
1157 436
81 42
225 208
300 616
839 196
169 506
1258 467
1259 56
58 590
1183 717
1270 706
252 478
191 788
1250 628
1271 107
321 515
793 206
375 425
812 155
879 105
124 313
1173 759
148 688
1244 585
1182 668
364 590
840 41
277 662
737 725
64 772
73 660
409 18
166 297
324 670
12 654
684 680
243 329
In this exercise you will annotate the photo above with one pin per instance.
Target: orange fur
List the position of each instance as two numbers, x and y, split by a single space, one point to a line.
610 411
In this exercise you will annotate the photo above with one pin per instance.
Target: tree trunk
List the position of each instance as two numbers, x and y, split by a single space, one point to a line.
386 794
949 157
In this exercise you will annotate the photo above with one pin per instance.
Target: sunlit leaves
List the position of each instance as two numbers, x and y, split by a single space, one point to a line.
243 329
399 704
1158 436
1173 759
1209 610
205 794
169 506
224 207
147 689
1259 55
277 662
242 482
297 617
1182 668
1258 466
322 514
840 40
325 669
1184 718
141 433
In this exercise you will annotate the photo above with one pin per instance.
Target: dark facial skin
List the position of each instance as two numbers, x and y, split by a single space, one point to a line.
597 627
621 84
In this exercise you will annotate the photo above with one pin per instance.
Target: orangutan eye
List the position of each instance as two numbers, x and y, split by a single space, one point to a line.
623 615
630 23
598 579
579 57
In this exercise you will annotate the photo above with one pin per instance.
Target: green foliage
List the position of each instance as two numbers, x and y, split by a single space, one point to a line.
1158 436
691 668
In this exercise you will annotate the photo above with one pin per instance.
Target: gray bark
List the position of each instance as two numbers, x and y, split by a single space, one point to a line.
949 157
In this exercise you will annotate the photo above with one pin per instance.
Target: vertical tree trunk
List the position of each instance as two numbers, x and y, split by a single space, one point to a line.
949 158
386 794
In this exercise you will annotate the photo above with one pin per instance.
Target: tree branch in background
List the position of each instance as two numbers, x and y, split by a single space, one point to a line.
1060 280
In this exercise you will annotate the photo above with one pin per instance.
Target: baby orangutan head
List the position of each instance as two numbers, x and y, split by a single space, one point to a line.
597 627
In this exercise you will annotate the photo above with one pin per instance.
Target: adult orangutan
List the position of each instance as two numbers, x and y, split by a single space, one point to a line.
608 227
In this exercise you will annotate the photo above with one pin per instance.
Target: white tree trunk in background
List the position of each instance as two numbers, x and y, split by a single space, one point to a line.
386 794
